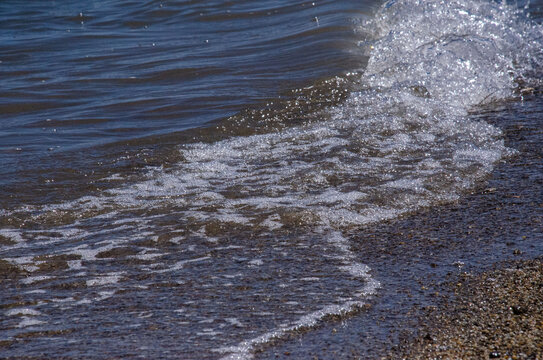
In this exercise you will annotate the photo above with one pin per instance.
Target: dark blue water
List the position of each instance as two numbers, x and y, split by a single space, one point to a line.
78 75
182 179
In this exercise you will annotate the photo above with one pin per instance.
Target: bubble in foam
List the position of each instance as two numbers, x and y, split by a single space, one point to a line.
462 53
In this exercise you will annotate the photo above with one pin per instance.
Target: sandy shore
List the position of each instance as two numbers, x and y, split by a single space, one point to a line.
496 314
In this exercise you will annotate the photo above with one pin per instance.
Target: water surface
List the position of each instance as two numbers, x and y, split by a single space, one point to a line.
184 179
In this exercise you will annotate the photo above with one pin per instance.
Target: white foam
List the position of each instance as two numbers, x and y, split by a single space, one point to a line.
256 262
63 300
75 264
111 278
27 322
89 254
83 302
23 311
36 291
234 322
33 279
272 222
244 349
181 264
29 267
353 268
357 270
209 332
20 260
146 256
113 177
102 295
12 235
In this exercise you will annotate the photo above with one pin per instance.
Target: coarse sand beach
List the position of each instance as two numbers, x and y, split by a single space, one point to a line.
497 314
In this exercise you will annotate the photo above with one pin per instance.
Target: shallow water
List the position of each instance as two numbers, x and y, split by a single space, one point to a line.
187 182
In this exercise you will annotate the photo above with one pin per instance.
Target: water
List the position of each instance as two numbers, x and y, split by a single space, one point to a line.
181 179
79 75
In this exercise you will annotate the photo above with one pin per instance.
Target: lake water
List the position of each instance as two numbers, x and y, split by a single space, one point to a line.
182 179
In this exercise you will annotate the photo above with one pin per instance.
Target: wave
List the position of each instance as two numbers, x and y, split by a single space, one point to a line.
402 141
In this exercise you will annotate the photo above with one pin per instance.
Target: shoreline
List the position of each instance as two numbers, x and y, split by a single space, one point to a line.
416 257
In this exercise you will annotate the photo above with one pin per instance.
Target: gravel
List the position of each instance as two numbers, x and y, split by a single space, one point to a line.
496 314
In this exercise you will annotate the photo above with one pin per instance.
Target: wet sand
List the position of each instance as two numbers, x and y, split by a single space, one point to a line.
497 314
418 257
